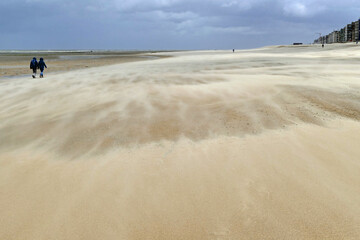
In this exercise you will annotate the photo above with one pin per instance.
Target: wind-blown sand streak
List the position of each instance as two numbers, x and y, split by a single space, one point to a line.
259 144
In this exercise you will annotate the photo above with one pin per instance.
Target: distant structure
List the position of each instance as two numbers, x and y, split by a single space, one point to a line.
349 33
297 43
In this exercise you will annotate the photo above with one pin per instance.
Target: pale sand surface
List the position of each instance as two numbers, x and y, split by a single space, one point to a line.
256 144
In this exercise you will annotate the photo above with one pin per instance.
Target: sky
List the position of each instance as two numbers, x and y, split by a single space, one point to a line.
168 24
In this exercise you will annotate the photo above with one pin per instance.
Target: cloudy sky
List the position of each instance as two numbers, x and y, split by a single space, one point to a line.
168 24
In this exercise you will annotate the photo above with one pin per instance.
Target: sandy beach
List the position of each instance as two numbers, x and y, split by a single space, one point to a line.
256 144
16 63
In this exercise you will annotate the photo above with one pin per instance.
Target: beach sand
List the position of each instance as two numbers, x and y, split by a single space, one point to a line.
256 144
17 63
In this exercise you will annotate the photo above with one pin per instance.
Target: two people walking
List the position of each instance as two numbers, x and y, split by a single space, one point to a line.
34 65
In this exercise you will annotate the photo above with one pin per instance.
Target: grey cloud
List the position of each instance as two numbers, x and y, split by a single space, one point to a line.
168 24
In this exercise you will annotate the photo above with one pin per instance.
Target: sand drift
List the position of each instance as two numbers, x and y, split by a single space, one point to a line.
256 144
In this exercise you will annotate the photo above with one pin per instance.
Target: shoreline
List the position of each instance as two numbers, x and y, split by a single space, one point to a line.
16 64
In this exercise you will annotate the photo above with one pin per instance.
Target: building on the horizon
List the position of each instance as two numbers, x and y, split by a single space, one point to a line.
349 33
342 38
353 36
356 30
333 37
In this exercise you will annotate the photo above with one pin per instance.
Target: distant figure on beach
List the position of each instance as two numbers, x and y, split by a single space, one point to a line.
233 50
41 66
34 66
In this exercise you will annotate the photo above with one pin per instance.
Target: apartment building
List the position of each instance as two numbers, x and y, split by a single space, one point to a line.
350 33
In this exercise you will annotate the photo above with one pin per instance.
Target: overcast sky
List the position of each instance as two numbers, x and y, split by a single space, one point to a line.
168 24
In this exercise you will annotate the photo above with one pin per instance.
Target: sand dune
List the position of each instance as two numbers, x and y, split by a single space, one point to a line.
257 144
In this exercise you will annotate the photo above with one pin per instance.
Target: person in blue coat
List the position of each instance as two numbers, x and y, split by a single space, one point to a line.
34 66
41 66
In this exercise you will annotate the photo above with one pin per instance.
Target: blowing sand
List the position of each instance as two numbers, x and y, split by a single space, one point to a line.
256 144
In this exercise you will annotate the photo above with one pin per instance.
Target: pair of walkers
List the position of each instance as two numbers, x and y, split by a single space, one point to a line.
34 65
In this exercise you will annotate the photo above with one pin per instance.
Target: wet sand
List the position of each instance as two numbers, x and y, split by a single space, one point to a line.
256 144
17 63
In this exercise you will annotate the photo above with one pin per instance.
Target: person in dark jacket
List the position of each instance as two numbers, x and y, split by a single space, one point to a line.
41 66
34 66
